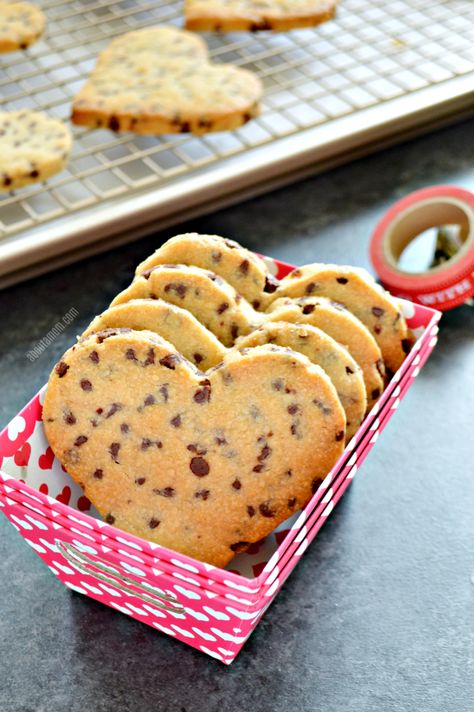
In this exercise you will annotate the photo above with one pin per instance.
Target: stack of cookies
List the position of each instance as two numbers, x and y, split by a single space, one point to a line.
208 403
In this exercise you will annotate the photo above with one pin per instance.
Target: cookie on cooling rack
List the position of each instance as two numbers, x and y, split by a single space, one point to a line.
254 15
159 80
33 147
21 24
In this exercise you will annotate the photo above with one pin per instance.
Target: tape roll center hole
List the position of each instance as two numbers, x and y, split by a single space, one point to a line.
427 237
430 248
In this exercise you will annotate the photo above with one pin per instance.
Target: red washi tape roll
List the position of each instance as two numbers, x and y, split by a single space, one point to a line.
447 285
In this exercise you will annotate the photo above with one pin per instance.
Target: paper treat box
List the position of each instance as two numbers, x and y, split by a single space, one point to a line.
211 609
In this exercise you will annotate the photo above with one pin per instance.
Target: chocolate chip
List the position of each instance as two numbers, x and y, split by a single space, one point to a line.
258 468
114 123
406 346
165 492
199 466
293 408
114 450
310 287
196 449
266 510
147 443
289 473
342 280
315 484
164 392
114 408
222 307
378 311
375 393
250 510
61 369
202 494
220 441
69 418
94 422
7 180
80 440
256 304
239 546
140 480
216 256
170 361
244 266
124 428
271 285
339 435
150 358
99 411
291 502
98 474
198 358
265 452
203 395
295 430
349 371
377 329
277 384
234 331
94 357
153 523
236 484
131 355
149 400
110 519
177 287
176 421
308 308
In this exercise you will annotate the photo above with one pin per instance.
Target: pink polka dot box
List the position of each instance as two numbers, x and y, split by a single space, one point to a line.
214 610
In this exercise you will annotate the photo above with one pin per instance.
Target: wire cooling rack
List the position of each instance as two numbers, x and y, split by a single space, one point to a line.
382 70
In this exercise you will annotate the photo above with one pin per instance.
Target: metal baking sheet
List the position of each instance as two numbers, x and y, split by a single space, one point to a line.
382 71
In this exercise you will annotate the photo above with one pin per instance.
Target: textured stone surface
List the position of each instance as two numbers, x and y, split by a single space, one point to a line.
378 615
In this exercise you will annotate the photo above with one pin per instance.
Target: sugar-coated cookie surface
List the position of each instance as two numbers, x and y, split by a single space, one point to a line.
253 15
33 147
208 297
21 24
202 463
324 351
176 325
160 80
242 269
345 328
355 289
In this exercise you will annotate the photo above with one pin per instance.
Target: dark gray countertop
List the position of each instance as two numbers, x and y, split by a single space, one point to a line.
378 616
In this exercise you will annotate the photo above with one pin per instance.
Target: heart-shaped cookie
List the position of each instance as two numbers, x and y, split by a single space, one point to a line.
253 15
201 463
160 80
